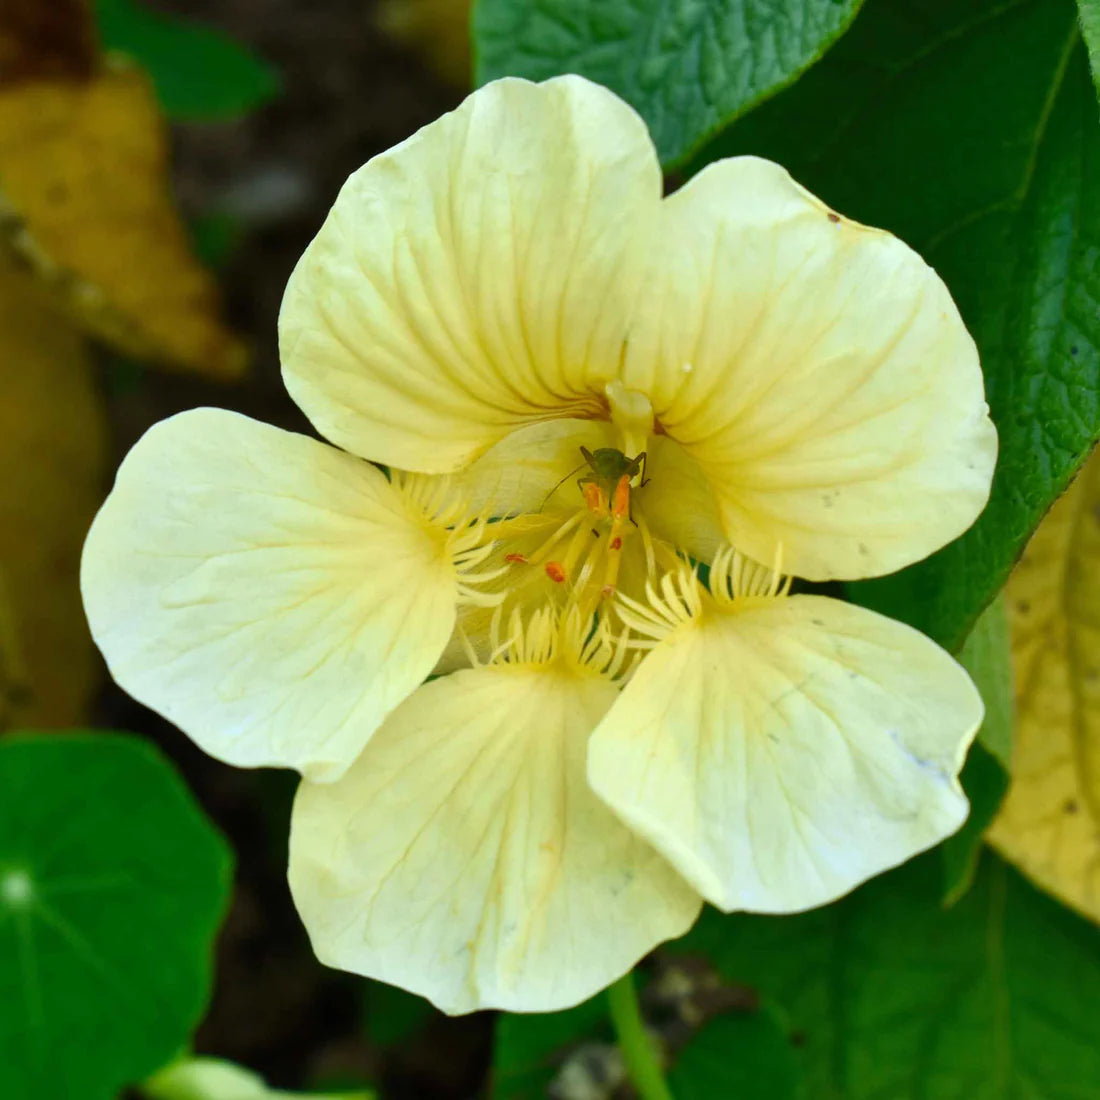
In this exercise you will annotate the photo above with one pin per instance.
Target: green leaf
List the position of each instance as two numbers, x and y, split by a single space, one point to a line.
987 656
894 998
527 1049
688 66
747 1055
393 1014
985 780
969 128
112 886
200 74
214 1079
1089 11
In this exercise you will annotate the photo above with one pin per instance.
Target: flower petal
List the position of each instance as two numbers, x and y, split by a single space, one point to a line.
463 856
270 595
678 502
817 370
476 277
782 751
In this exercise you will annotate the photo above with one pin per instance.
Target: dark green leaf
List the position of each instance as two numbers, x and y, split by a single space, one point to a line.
392 1014
688 66
200 74
215 237
527 1049
747 1055
112 886
987 656
969 128
892 997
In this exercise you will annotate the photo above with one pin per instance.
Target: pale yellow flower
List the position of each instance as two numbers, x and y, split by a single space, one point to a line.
581 391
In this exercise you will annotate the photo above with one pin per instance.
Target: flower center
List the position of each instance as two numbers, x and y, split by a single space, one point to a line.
585 548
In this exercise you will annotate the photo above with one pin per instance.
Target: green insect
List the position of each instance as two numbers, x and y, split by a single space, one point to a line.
608 467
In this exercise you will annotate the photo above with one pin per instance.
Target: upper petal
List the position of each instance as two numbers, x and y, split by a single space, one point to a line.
475 277
782 751
463 856
817 370
270 595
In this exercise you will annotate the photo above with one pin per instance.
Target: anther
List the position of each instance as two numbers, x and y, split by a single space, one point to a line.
516 559
594 498
616 543
555 571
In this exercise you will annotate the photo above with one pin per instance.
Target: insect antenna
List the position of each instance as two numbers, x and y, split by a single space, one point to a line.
561 483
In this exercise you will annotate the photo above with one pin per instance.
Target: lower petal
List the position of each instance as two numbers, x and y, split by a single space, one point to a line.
273 597
781 751
463 856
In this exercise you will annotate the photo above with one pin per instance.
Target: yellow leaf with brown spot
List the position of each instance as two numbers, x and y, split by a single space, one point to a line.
1049 824
84 198
52 454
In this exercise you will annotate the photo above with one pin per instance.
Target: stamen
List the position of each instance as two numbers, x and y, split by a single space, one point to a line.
620 512
595 498
557 536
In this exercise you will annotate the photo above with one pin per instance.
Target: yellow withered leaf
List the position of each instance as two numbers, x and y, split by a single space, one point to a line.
84 197
1049 825
52 454
13 680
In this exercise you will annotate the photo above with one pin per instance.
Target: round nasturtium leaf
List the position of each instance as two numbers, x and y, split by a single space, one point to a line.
112 887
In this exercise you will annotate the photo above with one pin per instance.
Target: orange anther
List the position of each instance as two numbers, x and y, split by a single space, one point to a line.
616 543
555 571
594 497
621 506
516 559
607 591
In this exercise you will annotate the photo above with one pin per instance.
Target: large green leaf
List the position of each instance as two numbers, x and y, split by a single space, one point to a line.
112 886
527 1049
969 128
199 73
987 656
895 998
688 66
747 1055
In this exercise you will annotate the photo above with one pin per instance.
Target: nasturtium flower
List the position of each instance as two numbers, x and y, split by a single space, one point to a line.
612 425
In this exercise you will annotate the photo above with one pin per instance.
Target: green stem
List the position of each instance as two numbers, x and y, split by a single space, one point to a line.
639 1054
